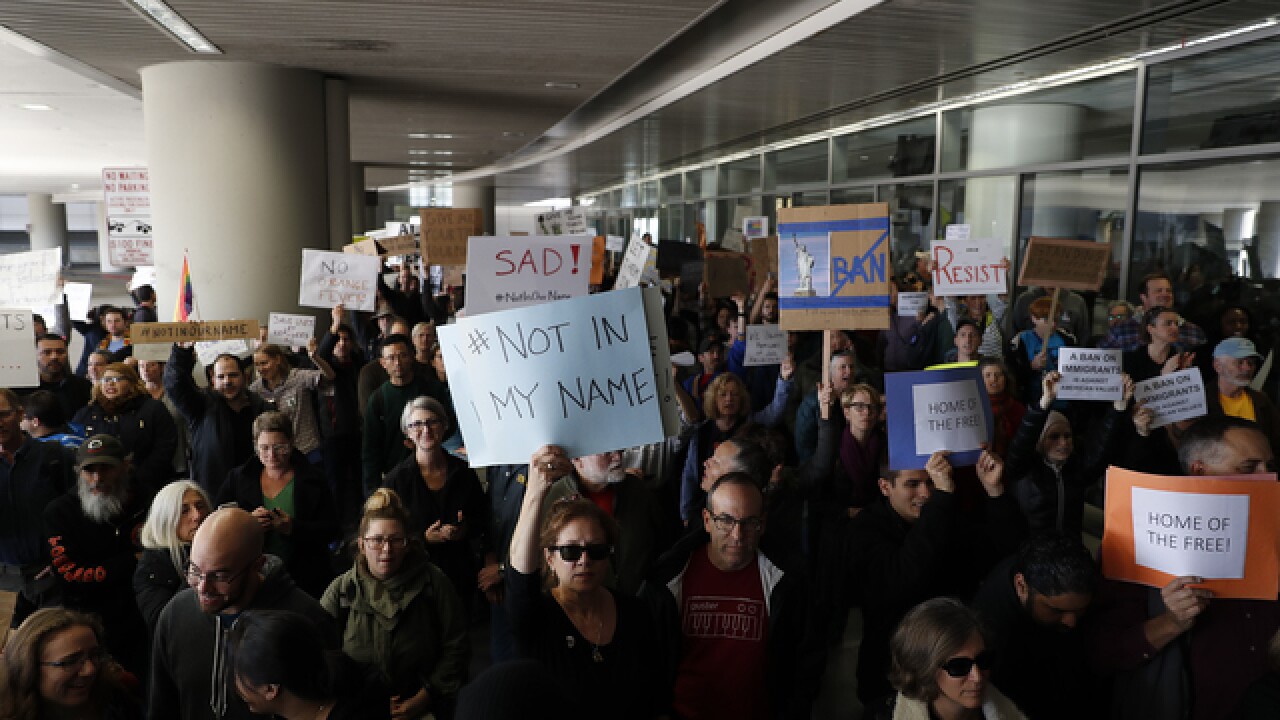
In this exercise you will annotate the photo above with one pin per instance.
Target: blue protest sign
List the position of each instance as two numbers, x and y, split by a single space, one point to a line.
936 410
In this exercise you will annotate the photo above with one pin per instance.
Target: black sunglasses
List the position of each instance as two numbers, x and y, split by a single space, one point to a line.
958 667
571 553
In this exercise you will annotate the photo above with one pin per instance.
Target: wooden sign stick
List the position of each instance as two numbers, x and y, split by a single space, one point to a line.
826 357
1053 311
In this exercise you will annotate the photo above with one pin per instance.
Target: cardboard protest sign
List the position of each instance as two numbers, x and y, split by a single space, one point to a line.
766 345
329 278
912 304
968 267
445 232
1173 397
577 373
194 331
638 265
660 351
30 279
569 221
1064 263
597 259
937 410
79 299
512 272
363 246
1221 529
398 245
17 351
152 352
764 256
833 267
755 227
1090 374
673 256
726 273
290 330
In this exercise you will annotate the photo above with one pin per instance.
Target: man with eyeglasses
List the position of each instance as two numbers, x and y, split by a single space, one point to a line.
1217 645
32 475
917 543
1157 291
228 574
92 535
219 417
384 442
735 627
72 391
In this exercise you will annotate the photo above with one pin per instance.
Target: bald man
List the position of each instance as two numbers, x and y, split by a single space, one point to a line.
228 574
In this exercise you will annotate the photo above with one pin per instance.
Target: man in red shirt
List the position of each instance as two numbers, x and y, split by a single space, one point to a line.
733 623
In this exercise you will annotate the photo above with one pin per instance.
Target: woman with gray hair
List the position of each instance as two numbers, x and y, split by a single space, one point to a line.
940 666
176 514
446 504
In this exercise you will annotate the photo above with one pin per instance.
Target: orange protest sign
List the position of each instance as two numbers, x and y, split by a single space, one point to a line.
597 260
1221 529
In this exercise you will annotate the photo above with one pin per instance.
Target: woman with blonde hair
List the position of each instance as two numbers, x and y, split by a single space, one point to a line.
176 514
121 407
398 611
56 665
726 407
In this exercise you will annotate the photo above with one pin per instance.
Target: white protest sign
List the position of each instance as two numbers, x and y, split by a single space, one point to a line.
1090 374
127 201
30 279
615 243
329 278
17 349
766 345
640 264
968 266
512 272
570 221
290 330
957 233
911 304
1190 533
79 299
209 351
660 350
576 373
145 275
756 226
948 416
1174 397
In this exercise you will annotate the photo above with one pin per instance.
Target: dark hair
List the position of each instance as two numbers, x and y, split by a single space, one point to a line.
50 336
752 459
44 406
1154 313
1146 280
144 293
396 339
740 479
109 309
969 323
1053 563
278 647
771 296
1204 438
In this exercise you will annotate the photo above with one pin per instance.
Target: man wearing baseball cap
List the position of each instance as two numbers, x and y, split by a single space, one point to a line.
1236 361
93 536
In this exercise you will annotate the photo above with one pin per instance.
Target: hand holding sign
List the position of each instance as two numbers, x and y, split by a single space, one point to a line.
1184 602
991 473
939 469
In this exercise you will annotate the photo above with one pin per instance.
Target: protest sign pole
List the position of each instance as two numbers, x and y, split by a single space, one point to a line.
1053 312
826 357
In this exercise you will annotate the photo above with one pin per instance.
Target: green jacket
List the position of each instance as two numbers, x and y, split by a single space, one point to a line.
411 626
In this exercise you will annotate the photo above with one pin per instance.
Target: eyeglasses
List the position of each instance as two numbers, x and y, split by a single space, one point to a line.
434 424
221 577
726 522
397 542
278 449
112 379
859 406
958 667
571 553
396 357
76 661
1121 316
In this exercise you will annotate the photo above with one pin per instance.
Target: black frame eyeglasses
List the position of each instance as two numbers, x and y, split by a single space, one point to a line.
726 522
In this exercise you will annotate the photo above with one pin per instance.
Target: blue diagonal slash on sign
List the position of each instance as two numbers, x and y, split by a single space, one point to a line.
863 266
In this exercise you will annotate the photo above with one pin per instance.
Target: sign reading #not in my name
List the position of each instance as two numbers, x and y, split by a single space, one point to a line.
196 331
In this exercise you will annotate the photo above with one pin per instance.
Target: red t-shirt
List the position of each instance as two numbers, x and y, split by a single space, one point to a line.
725 624
603 499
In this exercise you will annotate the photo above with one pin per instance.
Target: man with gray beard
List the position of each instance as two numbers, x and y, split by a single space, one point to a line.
93 541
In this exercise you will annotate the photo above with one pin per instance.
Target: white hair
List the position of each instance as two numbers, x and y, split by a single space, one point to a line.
161 529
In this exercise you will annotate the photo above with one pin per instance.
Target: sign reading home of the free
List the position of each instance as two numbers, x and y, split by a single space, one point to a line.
576 373
936 410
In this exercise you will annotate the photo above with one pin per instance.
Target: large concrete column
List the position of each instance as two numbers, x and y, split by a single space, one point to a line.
237 155
337 128
355 188
48 223
476 195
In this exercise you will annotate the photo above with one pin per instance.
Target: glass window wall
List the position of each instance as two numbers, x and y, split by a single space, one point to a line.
898 150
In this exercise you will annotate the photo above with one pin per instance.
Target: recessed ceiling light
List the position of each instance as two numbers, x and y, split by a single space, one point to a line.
513 134
75 186
35 106
430 152
432 136
180 29
557 85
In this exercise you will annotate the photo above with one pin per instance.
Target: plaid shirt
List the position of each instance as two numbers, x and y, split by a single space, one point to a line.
1127 335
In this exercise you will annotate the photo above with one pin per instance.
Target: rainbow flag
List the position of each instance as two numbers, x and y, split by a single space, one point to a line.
186 295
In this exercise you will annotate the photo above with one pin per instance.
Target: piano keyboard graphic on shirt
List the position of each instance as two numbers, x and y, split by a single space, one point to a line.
724 617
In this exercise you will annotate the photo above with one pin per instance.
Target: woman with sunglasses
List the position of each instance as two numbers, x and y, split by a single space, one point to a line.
121 407
600 644
289 498
940 667
55 665
398 611
446 504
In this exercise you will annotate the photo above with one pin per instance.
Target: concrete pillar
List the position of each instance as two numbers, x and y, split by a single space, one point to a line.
337 129
237 155
476 195
357 201
48 222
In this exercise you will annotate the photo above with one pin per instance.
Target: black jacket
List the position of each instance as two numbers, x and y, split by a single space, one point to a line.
315 522
210 420
145 428
155 582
